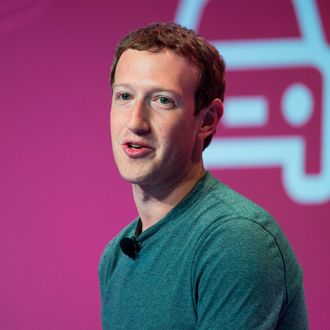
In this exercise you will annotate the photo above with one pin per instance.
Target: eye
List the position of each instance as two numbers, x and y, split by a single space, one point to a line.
164 102
124 96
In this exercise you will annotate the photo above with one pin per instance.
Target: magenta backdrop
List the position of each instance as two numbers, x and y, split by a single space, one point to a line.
61 198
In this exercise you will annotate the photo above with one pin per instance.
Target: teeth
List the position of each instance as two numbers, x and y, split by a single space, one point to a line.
135 146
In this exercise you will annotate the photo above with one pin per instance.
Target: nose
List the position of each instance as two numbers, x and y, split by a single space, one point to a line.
139 119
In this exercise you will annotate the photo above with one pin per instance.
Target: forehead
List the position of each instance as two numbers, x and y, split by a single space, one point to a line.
163 68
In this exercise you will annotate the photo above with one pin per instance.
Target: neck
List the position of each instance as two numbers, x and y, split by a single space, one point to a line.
153 203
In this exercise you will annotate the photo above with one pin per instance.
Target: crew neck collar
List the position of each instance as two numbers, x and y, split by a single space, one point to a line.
204 183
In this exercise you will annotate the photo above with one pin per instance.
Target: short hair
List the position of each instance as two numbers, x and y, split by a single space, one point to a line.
186 43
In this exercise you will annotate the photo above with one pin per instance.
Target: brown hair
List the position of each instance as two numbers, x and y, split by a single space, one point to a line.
186 43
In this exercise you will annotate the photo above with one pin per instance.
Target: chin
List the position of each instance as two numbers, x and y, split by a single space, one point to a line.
134 179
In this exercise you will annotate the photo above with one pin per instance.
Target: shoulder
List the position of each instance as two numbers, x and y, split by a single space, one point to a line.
240 243
226 213
246 256
112 250
242 269
222 198
215 200
240 238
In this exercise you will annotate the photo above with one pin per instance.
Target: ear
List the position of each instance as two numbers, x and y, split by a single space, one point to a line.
210 117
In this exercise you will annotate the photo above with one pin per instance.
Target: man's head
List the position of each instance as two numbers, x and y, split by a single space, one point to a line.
183 42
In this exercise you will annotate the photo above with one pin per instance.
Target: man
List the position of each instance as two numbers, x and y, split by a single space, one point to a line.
199 255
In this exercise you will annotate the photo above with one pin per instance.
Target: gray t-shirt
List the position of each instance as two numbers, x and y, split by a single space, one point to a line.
216 261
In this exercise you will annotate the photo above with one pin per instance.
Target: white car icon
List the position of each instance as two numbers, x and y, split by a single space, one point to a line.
287 151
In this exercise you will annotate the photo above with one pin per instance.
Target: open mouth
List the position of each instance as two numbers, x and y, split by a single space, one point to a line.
134 146
137 149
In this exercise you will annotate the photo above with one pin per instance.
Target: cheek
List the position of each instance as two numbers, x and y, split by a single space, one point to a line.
187 131
114 123
178 138
112 128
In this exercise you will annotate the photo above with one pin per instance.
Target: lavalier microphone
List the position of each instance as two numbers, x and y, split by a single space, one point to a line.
130 246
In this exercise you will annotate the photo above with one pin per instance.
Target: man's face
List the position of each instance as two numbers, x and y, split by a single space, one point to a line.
153 127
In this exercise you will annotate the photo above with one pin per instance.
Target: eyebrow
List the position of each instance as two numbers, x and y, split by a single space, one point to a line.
120 85
177 97
153 89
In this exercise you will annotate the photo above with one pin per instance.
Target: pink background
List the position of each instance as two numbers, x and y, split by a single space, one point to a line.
61 198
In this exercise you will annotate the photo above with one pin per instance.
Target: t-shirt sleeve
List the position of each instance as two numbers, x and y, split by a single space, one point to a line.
239 277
